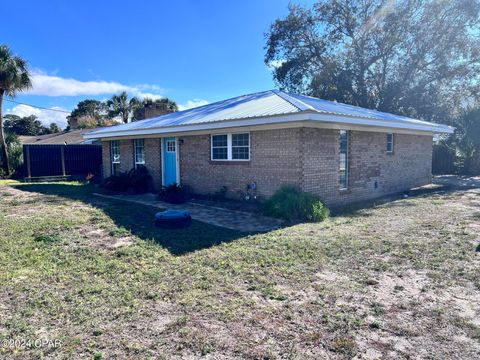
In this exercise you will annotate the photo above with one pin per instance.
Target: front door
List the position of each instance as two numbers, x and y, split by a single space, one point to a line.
169 161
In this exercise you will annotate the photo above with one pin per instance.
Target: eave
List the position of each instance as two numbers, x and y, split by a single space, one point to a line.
300 119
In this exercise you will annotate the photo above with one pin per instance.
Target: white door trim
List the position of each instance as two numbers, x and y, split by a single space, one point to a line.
177 158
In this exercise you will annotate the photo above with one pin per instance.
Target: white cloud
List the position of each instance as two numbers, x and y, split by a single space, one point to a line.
192 104
45 116
52 85
44 84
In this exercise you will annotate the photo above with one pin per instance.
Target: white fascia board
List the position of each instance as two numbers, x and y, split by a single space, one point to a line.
389 124
279 119
203 126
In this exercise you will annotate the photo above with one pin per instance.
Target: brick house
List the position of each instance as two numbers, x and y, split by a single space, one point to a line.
265 140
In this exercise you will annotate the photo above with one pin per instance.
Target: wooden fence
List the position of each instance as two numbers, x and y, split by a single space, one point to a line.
443 161
62 160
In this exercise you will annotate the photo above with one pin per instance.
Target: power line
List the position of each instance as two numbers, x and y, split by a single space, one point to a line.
38 107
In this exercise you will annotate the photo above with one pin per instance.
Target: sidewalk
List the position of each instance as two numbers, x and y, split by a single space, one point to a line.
230 219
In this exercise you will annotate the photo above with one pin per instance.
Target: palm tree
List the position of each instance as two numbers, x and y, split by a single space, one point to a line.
14 77
120 105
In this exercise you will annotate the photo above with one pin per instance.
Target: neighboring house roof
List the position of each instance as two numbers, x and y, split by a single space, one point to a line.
267 107
69 137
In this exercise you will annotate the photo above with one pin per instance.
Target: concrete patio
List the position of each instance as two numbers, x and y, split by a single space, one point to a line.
230 219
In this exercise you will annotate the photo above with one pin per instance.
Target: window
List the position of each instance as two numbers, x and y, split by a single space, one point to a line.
139 147
343 168
219 147
231 147
115 156
171 146
240 146
389 143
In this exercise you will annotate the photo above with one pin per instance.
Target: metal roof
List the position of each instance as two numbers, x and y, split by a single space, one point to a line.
266 104
64 137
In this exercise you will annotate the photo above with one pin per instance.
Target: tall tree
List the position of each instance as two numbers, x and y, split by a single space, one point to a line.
26 125
14 77
419 58
120 105
168 104
90 107
54 128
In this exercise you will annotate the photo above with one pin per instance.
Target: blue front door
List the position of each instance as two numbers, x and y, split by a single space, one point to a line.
169 161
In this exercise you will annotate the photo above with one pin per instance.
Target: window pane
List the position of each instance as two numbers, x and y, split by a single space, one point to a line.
115 151
343 165
139 151
219 153
343 180
240 146
219 140
115 169
240 153
343 161
389 142
220 147
171 146
240 139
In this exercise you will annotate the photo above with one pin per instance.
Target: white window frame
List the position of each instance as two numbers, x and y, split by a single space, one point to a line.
229 146
112 159
393 143
346 160
174 146
135 152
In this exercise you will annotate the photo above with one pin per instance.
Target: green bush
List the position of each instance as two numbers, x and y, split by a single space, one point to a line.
15 155
292 204
136 181
119 182
140 179
174 194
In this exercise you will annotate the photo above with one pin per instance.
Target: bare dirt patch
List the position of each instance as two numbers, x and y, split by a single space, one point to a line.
92 236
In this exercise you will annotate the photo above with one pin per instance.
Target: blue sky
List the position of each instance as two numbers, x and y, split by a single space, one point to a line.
191 51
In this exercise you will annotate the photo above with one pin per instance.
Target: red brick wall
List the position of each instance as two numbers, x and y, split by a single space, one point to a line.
306 157
106 163
320 162
127 161
409 165
274 161
153 161
127 158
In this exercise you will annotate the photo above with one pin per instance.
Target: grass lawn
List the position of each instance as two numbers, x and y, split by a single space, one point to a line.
399 280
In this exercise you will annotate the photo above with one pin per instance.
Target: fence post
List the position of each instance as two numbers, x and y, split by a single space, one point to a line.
29 170
62 155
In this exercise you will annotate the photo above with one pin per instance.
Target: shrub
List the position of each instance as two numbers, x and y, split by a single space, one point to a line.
120 182
175 194
140 179
15 156
292 204
137 180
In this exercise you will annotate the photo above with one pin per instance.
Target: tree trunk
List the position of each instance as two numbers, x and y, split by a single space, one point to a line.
3 145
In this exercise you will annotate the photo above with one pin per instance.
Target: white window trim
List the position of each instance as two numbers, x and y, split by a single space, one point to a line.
112 161
174 145
229 146
135 152
177 156
393 143
111 152
342 188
